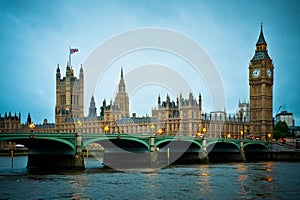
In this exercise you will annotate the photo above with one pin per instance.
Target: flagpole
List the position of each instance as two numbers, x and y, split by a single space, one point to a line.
70 56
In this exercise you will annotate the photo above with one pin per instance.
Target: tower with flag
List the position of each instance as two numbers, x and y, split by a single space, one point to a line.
69 94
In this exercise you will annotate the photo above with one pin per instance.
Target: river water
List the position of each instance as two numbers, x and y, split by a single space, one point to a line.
261 180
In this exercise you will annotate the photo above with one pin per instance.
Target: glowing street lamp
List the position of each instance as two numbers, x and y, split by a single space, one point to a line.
106 129
152 128
79 124
228 135
269 136
159 131
204 133
269 139
31 126
204 130
242 133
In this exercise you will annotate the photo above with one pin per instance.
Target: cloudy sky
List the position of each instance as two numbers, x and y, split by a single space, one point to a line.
35 37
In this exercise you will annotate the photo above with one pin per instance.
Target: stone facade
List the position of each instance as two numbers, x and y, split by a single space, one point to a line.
184 116
10 123
181 117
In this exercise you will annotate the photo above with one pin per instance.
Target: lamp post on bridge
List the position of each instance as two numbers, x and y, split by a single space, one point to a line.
242 153
78 138
152 139
204 154
241 141
242 135
269 141
204 139
152 129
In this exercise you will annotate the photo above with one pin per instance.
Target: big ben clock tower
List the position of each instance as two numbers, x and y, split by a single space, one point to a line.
261 71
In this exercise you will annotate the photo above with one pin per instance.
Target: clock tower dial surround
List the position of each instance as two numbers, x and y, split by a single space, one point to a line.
261 72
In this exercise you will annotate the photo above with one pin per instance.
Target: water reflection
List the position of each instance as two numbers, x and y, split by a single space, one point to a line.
262 180
204 176
242 173
79 186
269 166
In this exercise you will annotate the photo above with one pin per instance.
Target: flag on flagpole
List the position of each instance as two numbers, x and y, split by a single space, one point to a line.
70 53
73 51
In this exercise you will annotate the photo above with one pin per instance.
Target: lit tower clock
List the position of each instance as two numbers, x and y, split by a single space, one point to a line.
261 71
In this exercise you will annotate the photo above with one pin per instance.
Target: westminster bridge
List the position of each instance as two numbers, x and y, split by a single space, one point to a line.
65 150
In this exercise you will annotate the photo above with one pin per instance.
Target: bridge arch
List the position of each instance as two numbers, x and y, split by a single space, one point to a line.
158 143
210 145
41 142
256 145
89 141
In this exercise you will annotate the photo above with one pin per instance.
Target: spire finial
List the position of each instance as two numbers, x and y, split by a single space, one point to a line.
121 72
261 39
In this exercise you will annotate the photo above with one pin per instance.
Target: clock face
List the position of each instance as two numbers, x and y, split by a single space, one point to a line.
269 73
256 73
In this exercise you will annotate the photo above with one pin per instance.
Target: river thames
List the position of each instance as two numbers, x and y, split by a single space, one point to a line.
261 180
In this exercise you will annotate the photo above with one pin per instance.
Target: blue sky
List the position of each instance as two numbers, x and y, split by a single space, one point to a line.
35 36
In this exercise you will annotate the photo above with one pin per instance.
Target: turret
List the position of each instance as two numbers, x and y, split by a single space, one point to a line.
122 83
92 109
200 102
190 96
57 73
158 100
168 101
104 104
68 71
81 73
29 119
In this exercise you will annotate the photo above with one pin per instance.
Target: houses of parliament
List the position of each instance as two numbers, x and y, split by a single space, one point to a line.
181 116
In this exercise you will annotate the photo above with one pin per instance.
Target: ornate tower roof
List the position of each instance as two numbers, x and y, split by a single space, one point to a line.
261 40
261 51
122 83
